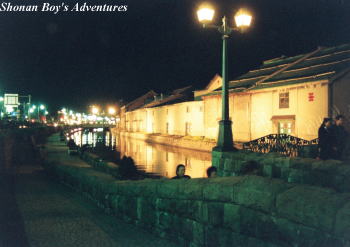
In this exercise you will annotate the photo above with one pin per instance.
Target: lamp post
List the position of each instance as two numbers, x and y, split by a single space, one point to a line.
1 107
243 19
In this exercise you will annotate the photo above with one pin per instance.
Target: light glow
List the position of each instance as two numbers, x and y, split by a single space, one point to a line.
94 110
243 18
205 13
111 110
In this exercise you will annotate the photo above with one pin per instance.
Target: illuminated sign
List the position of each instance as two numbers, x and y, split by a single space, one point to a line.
11 100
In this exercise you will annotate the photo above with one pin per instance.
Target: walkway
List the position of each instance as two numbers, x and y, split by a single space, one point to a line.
36 211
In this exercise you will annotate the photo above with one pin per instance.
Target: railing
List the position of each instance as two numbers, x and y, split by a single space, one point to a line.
281 143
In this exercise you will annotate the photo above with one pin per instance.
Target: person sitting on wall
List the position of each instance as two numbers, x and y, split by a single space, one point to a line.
71 143
180 172
326 140
212 172
341 136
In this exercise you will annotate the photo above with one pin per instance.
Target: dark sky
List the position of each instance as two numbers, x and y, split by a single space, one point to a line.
76 59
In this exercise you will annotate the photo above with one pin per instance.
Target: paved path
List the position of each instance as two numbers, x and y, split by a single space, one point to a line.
36 211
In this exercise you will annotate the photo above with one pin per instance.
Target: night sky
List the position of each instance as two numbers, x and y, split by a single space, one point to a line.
77 59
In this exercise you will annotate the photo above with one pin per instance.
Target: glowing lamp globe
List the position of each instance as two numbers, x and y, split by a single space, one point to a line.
205 14
243 18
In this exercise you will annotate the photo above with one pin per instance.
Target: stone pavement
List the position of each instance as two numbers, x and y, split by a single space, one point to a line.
36 211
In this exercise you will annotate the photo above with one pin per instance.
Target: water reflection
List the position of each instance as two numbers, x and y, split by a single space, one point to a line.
151 158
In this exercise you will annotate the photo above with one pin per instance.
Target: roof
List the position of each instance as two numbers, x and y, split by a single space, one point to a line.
140 101
322 63
178 95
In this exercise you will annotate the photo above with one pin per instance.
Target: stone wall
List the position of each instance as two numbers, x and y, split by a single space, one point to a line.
19 146
231 211
331 173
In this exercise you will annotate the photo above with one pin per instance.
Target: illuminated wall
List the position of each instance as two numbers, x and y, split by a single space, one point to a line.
258 113
179 119
254 114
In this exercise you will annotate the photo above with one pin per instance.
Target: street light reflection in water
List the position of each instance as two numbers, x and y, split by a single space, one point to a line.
151 158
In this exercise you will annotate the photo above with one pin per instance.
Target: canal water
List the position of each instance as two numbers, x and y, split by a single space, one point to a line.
151 158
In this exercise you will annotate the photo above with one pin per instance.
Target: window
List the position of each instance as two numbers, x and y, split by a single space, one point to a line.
167 128
284 100
285 127
284 124
187 128
187 109
201 108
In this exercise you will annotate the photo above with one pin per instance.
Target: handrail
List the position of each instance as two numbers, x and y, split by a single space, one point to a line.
284 144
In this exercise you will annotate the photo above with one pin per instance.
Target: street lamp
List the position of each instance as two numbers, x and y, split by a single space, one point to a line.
111 110
1 106
243 19
94 110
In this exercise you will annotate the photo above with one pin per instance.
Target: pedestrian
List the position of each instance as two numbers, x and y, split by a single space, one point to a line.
326 140
71 143
341 136
180 172
212 172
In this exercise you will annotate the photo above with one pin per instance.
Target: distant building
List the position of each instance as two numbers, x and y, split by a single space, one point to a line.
172 114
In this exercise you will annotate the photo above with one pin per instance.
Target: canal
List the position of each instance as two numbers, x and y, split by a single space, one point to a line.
148 157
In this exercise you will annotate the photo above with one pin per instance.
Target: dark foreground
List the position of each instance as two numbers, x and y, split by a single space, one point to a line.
36 211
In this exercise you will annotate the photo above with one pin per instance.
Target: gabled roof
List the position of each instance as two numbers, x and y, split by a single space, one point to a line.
323 63
140 101
178 95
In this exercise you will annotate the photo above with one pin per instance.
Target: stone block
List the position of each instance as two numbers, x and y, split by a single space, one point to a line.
189 209
268 161
199 214
328 166
301 163
241 240
342 224
253 156
341 181
128 205
166 222
220 189
114 202
268 170
198 234
298 176
232 216
321 179
215 161
192 189
215 236
166 205
169 188
258 192
311 206
301 235
146 213
285 173
186 230
213 213
229 165
284 162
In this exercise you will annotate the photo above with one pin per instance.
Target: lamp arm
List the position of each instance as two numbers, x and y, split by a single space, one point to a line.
211 26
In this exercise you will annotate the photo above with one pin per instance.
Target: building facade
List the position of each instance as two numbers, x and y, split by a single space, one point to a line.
286 95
